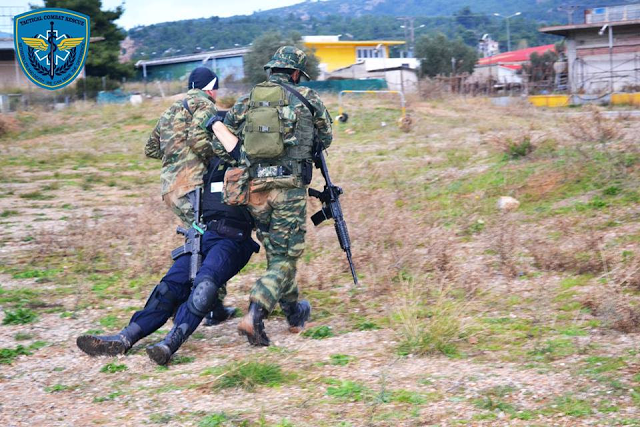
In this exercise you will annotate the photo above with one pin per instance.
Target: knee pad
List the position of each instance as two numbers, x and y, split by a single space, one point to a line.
203 297
162 298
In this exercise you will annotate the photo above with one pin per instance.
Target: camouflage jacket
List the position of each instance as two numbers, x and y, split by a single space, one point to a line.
183 143
321 119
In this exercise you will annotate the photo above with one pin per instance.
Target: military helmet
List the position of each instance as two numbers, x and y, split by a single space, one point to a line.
289 57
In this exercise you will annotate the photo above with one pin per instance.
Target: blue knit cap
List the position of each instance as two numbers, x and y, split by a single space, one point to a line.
203 78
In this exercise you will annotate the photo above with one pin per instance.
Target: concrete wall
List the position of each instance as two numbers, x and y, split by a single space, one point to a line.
402 80
594 68
502 75
10 74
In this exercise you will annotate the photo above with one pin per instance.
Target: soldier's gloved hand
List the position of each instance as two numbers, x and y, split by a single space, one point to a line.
212 121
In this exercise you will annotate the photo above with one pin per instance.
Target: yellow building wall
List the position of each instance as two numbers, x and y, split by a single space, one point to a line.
338 56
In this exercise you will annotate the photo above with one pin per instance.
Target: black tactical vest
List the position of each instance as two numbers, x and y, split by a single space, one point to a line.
212 206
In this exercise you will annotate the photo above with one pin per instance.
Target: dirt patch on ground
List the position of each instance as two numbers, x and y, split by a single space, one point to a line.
85 237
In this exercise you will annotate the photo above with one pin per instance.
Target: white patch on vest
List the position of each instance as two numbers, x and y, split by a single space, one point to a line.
216 187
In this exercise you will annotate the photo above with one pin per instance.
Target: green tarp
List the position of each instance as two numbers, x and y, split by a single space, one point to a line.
340 85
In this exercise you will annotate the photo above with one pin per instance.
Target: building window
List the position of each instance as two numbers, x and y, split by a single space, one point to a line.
370 52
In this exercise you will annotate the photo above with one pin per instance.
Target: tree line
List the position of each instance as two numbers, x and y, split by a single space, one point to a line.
446 44
189 36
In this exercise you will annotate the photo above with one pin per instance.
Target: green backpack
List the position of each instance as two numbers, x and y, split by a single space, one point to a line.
264 128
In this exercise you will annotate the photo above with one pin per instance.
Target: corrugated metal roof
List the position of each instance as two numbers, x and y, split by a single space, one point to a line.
563 30
225 53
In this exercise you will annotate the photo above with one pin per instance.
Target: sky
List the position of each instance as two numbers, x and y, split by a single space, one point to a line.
141 12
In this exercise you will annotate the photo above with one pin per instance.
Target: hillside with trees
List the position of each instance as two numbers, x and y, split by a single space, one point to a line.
362 19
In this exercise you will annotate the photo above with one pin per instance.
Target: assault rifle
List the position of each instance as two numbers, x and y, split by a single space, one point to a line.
192 236
330 198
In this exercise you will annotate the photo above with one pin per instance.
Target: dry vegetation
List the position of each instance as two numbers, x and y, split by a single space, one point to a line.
466 315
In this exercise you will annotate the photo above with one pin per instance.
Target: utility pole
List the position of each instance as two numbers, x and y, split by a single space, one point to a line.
600 33
569 10
611 56
508 29
408 27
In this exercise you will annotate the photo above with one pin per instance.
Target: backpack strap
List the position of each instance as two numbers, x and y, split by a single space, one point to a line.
185 104
298 95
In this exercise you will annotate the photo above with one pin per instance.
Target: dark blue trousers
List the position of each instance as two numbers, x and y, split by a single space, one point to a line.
222 259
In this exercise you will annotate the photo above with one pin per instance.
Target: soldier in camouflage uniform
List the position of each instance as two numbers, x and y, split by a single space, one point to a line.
185 140
278 192
181 140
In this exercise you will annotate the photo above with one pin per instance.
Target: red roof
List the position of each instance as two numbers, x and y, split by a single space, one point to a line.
522 55
512 66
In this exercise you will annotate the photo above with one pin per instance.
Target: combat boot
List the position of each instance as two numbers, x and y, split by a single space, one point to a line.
219 314
110 345
162 351
252 325
297 314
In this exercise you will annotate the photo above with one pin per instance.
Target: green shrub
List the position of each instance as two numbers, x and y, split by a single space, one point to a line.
113 367
58 387
213 420
8 355
341 359
612 190
519 149
22 336
20 316
367 325
348 390
179 359
36 195
318 332
429 325
248 375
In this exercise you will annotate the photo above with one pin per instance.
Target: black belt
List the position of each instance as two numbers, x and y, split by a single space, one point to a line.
233 229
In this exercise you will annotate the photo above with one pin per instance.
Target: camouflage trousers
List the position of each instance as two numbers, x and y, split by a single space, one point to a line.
280 215
180 205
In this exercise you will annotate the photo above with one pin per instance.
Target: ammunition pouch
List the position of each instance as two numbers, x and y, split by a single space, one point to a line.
235 189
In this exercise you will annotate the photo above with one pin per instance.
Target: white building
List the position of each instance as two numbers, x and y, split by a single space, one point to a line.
400 73
505 68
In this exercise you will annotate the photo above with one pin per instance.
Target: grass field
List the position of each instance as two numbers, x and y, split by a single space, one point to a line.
466 315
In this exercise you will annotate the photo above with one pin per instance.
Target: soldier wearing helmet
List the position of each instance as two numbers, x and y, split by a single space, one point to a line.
279 124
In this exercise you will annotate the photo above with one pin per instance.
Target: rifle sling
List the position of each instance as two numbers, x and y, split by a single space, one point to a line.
185 104
298 95
307 104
